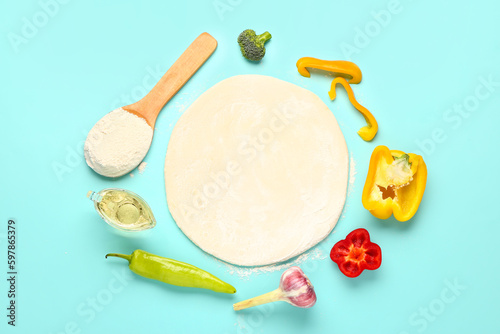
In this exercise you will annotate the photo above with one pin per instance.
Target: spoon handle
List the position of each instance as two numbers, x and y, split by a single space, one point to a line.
181 71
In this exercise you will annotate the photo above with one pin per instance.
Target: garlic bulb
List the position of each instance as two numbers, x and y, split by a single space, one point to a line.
295 288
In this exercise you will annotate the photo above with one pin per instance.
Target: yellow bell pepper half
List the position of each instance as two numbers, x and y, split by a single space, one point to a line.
395 184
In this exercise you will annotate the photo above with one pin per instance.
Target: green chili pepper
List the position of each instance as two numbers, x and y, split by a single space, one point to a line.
173 272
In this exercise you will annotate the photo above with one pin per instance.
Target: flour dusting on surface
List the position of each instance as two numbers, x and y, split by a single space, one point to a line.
142 167
352 175
350 187
245 272
185 100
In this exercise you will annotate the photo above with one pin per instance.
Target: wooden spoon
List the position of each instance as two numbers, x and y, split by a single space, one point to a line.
181 71
107 158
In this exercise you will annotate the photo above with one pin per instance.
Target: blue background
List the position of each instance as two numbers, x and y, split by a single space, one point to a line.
422 62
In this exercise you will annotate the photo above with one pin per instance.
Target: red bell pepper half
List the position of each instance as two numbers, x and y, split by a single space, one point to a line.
356 253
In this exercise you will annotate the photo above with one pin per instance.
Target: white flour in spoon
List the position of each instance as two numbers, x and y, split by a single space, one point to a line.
117 143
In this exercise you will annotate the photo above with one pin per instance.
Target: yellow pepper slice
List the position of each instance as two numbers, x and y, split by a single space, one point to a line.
340 68
395 184
370 130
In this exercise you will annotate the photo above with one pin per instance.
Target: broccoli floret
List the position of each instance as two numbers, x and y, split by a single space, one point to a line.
252 45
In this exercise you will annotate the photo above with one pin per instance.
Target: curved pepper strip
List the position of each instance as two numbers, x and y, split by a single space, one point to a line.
338 67
343 70
370 130
356 253
381 197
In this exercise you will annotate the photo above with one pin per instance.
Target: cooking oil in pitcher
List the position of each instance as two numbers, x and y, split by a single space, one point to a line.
123 209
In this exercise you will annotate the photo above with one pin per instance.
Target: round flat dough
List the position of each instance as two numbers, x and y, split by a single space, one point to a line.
256 170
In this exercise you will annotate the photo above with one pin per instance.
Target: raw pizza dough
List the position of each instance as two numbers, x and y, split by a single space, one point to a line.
256 170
